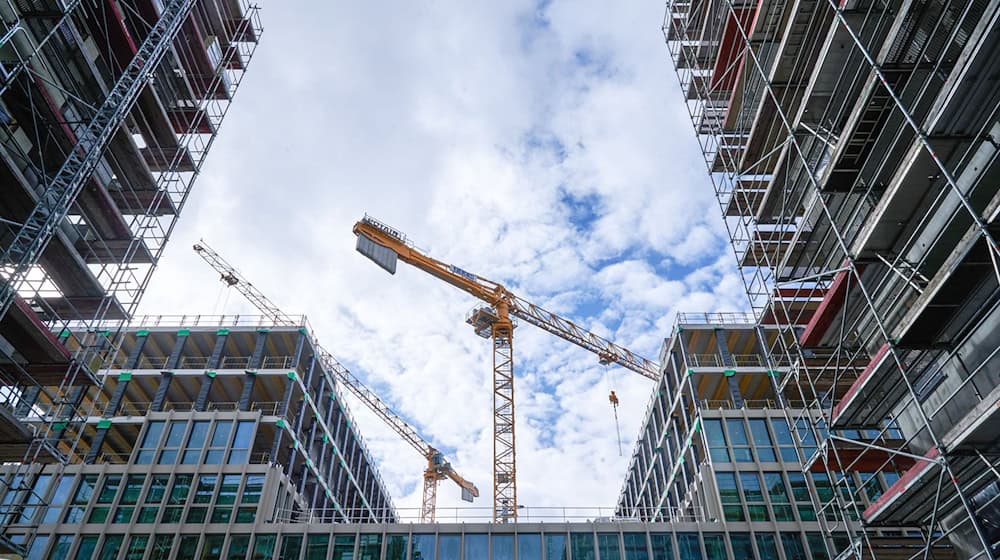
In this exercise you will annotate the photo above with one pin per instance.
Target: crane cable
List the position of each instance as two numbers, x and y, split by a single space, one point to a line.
613 399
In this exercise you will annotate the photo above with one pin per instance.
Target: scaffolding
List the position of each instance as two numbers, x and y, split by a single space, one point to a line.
852 146
108 109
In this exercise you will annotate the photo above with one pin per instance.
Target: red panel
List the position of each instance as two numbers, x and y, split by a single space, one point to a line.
121 41
828 309
731 51
872 461
869 369
903 484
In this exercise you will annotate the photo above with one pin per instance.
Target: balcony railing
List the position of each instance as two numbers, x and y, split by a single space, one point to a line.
525 514
728 318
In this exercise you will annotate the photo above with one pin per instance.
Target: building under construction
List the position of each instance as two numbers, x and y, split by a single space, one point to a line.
108 109
852 146
204 425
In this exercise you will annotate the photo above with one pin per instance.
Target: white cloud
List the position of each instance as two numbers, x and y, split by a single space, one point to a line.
473 127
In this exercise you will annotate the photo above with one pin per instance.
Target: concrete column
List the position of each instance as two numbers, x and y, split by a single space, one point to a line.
175 355
259 347
160 397
246 397
723 349
140 342
222 335
206 387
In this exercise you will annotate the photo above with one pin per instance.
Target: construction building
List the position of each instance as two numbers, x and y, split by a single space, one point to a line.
852 146
108 109
205 424
717 447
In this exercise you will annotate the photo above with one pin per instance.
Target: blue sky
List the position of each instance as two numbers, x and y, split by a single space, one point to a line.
543 145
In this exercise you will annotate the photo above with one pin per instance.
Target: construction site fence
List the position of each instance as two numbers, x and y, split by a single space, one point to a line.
525 514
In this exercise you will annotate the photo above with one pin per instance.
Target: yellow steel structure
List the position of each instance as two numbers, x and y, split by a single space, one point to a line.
384 244
438 468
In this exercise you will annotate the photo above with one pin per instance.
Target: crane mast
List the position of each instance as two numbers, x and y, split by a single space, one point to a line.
438 468
385 245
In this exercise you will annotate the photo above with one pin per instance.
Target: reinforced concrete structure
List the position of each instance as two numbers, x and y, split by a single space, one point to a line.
108 109
852 146
204 424
718 446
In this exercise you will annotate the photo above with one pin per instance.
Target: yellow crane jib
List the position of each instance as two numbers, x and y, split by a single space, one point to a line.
385 245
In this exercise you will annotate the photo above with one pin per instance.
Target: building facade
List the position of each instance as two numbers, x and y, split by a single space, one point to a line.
108 109
554 540
199 427
852 146
722 446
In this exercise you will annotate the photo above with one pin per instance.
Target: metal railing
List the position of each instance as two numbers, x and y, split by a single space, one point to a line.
759 404
525 514
147 321
725 318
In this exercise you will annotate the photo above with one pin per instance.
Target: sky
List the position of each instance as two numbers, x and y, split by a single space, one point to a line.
544 145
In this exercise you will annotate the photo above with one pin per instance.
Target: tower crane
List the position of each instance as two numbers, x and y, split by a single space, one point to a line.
385 245
438 467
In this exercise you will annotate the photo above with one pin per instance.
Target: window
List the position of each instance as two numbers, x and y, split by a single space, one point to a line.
221 514
786 445
583 546
766 546
239 545
503 547
805 434
817 546
318 545
449 548
136 547
395 547
217 443
555 547
197 515
81 498
253 489
188 547
212 549
88 545
123 514
730 495
37 548
662 545
175 435
242 442
228 489
59 499
753 495
635 546
422 547
871 485
178 496
147 449
107 495
263 547
60 550
792 544
195 442
112 546
161 547
246 514
824 490
742 547
369 546
715 546
688 546
607 544
738 438
133 487
291 547
157 488
35 497
206 487
780 503
716 441
762 441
